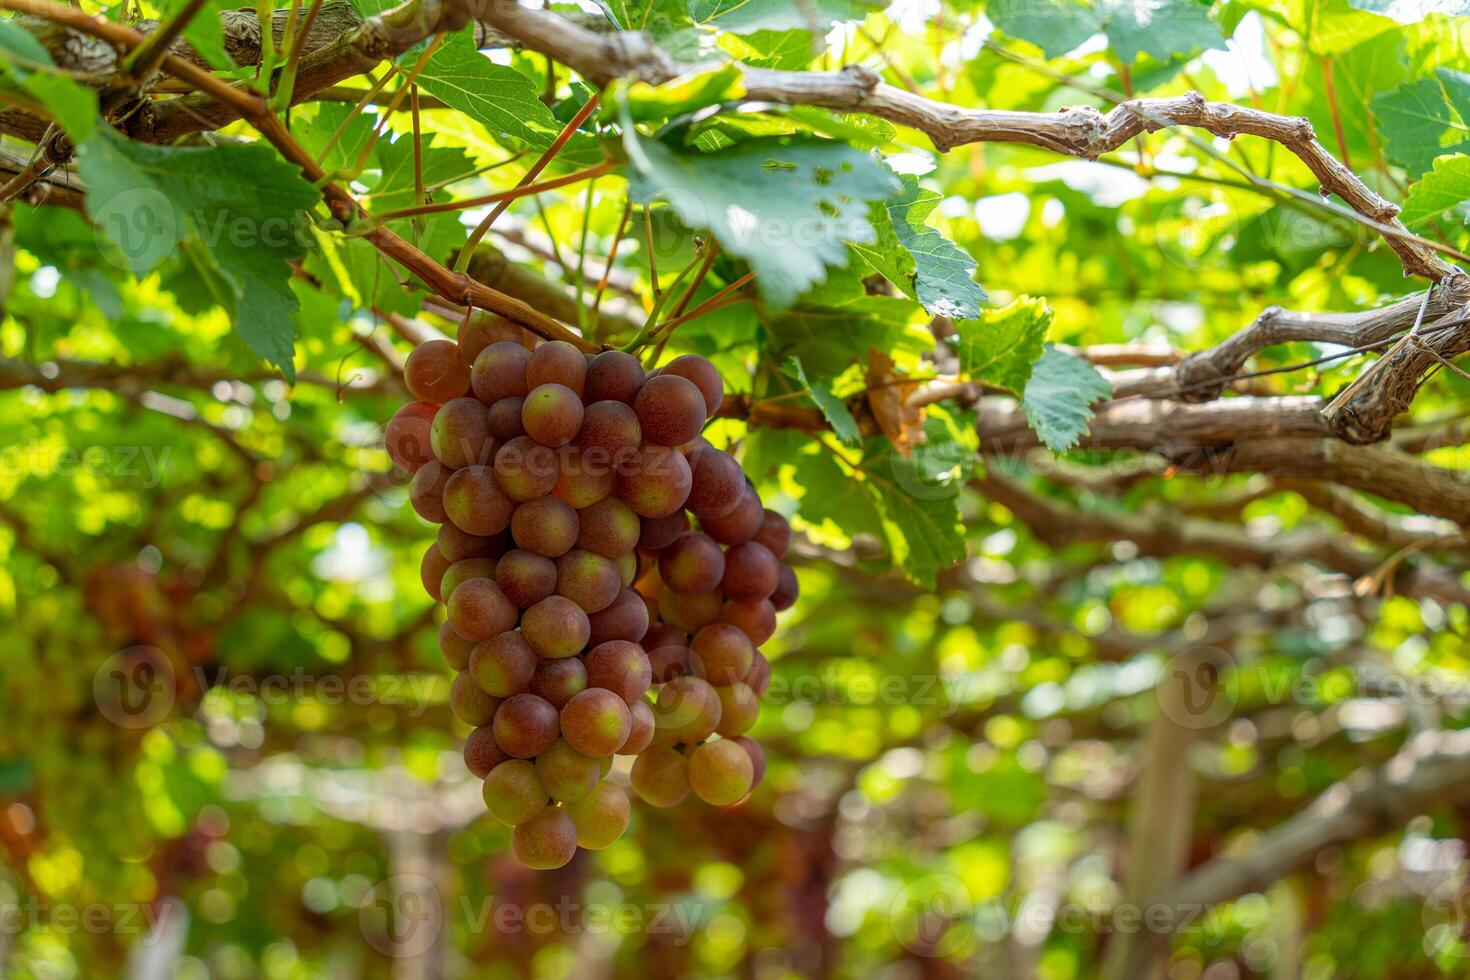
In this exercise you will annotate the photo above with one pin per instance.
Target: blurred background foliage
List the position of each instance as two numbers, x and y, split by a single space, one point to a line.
944 756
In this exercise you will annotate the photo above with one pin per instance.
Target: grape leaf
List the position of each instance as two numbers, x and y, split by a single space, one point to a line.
837 322
240 203
749 16
786 206
1059 396
204 32
1159 28
1446 186
497 96
1000 346
27 68
935 271
1413 119
1413 11
834 409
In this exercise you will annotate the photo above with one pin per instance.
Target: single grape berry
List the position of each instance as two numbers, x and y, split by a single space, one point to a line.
547 526
757 756
774 533
740 525
620 667
525 469
686 712
751 572
431 571
668 660
483 329
556 627
504 419
475 502
625 619
513 792
470 704
718 483
725 653
738 709
479 610
596 722
557 362
659 532
705 377
426 491
608 527
456 649
462 571
660 776
525 577
584 477
559 680
640 734
481 752
458 545
654 481
600 817
460 435
690 613
588 579
552 414
612 429
407 435
434 372
720 772
546 841
787 589
567 774
758 678
613 376
525 726
670 410
694 563
756 620
503 665
500 372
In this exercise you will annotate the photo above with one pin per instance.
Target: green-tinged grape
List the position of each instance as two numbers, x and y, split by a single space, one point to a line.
690 613
692 564
584 476
546 841
620 667
525 577
556 627
703 374
738 709
740 525
596 722
481 752
657 533
546 526
482 329
505 419
552 414
613 376
503 665
460 435
751 572
513 792
567 774
725 653
668 661
756 620
718 483
640 732
525 725
611 429
774 534
588 579
431 571
608 527
456 649
720 772
627 568
475 502
601 817
462 571
470 704
757 757
686 712
426 491
500 372
787 589
654 481
670 410
559 680
557 362
406 436
478 610
625 619
758 678
525 469
661 776
434 372
458 545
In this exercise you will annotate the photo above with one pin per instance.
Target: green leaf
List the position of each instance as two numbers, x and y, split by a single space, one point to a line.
27 68
749 16
790 50
1444 187
241 203
203 32
918 495
1059 396
919 260
835 324
834 409
314 132
497 96
788 207
1415 118
1000 346
1056 27
1158 28
678 96
1413 11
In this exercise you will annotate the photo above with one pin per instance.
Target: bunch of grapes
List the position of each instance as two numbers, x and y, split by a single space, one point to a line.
608 575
